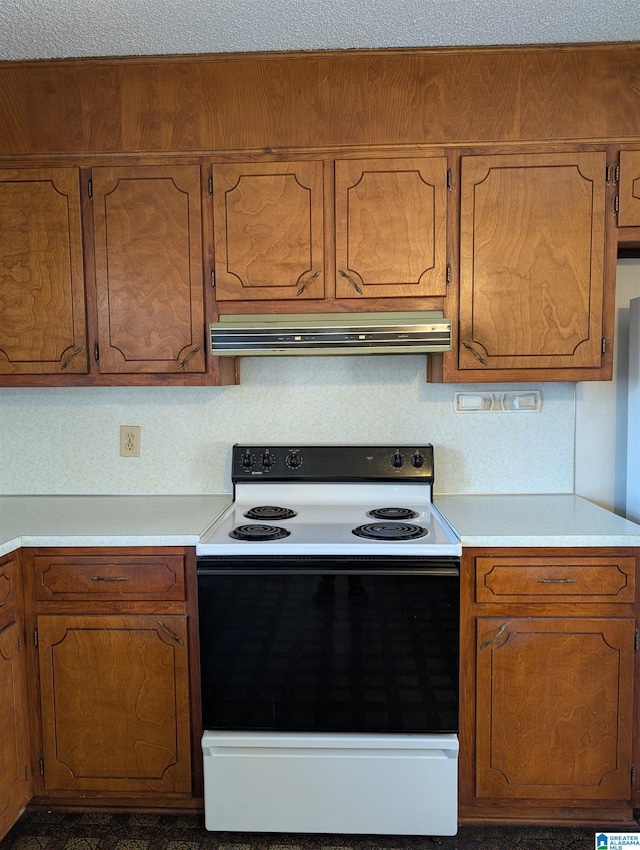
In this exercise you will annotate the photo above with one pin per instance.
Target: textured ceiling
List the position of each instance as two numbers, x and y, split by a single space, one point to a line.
43 29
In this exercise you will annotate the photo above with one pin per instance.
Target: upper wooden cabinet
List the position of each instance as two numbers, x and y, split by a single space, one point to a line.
385 234
108 291
629 189
390 227
42 305
269 233
532 262
149 269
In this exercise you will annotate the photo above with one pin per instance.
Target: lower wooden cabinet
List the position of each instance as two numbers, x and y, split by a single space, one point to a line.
547 675
15 761
548 642
112 670
114 697
554 703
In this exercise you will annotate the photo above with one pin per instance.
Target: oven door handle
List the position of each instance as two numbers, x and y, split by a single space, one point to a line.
452 572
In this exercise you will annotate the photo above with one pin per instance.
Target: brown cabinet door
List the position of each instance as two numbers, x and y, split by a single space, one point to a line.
629 191
554 708
268 224
531 262
149 269
391 227
42 306
15 773
115 703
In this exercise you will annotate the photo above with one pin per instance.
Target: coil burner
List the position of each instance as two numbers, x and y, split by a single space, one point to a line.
392 513
271 512
258 532
390 531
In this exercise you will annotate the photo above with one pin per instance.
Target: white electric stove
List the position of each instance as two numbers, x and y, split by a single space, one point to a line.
329 633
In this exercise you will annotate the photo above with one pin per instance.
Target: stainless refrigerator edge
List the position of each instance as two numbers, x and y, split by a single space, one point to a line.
633 421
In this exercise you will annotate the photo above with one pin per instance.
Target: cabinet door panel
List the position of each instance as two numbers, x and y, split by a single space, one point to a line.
268 222
391 227
149 273
42 313
531 261
629 212
15 782
115 703
554 708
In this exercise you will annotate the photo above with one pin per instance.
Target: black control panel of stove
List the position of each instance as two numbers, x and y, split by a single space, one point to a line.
333 463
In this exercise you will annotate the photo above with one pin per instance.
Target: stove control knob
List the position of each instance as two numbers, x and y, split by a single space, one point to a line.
293 460
397 460
267 459
417 460
247 460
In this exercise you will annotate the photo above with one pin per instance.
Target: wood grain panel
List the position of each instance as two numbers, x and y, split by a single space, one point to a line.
115 577
567 579
629 212
269 101
554 708
115 703
269 233
381 98
15 777
8 598
149 277
391 227
42 312
531 261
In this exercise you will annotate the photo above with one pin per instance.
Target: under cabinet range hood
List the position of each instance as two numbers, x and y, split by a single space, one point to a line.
331 333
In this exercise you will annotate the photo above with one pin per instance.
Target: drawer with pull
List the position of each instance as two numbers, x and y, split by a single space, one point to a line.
562 578
109 577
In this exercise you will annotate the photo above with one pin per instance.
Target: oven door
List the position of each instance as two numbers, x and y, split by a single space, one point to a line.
329 645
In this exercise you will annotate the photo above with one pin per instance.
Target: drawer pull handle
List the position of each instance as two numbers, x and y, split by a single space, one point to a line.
109 578
555 581
171 634
486 643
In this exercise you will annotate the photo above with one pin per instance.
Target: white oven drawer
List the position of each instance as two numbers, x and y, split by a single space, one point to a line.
297 782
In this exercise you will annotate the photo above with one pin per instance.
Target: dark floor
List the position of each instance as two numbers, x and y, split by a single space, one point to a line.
39 830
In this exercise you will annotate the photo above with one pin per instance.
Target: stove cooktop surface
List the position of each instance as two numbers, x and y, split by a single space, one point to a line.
329 520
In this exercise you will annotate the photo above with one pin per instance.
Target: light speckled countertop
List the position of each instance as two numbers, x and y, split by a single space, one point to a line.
519 520
106 520
536 520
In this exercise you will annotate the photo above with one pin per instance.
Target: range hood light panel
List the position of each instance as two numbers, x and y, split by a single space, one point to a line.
330 333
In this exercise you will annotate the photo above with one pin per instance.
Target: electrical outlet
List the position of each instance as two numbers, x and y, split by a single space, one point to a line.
129 441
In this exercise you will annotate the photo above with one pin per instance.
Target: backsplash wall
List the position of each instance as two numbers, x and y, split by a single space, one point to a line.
67 440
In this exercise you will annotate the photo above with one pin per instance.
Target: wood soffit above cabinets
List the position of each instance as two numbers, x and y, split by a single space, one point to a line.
283 100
